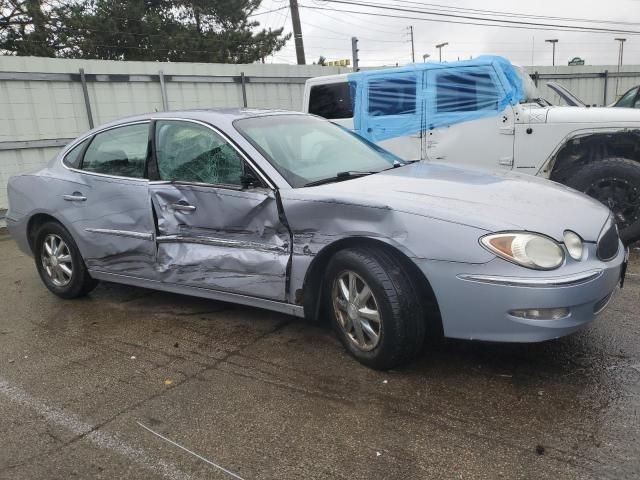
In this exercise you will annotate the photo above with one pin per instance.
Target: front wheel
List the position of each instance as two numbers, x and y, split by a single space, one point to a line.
615 182
59 262
374 308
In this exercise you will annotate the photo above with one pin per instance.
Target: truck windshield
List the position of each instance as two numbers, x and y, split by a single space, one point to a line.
306 149
531 92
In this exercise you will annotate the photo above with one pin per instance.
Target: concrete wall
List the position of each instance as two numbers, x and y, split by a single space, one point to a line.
42 101
42 104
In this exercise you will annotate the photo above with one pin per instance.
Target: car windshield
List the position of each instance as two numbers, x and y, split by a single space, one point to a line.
306 149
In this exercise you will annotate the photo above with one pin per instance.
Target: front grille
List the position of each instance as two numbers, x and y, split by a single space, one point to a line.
608 243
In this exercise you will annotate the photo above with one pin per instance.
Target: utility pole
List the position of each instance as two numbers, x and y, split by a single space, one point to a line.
620 53
439 47
413 51
297 31
354 53
553 42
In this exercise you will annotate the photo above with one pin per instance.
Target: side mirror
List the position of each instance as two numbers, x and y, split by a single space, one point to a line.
249 180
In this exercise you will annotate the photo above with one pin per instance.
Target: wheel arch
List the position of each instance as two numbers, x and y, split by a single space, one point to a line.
313 285
584 147
34 223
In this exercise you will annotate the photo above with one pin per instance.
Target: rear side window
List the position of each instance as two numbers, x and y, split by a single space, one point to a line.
331 101
72 159
121 151
392 96
466 92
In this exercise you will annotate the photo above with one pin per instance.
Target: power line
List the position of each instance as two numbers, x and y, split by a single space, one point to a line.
513 14
267 11
346 22
483 24
470 17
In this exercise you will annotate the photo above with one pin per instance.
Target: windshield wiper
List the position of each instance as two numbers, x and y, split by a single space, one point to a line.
339 177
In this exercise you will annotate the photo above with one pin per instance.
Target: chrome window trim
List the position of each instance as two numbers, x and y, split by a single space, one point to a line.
568 280
92 135
226 138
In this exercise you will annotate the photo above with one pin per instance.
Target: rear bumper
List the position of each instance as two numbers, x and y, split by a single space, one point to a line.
476 300
18 230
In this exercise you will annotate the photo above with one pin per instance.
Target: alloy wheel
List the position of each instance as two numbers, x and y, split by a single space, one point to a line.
356 310
56 260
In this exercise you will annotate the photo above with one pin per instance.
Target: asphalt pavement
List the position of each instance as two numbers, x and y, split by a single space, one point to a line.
132 383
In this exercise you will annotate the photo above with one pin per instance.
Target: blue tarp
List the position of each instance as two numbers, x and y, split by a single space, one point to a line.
420 96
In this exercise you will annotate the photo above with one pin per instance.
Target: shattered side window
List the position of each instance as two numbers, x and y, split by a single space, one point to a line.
189 152
120 151
392 96
331 101
466 92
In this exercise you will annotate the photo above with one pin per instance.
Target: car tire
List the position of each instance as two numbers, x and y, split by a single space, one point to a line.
616 183
401 326
60 264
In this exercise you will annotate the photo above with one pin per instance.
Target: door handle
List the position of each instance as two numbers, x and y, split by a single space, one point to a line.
183 206
75 197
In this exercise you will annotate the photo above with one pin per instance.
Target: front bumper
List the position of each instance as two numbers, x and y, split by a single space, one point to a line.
475 300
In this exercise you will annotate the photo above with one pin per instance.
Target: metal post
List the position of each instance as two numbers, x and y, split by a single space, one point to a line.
439 47
354 53
535 78
413 51
553 42
244 89
163 91
87 103
606 82
620 53
297 31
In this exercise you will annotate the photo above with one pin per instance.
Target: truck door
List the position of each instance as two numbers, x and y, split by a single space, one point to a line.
466 121
390 112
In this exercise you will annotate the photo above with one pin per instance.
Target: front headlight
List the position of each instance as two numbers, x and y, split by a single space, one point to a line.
529 250
573 242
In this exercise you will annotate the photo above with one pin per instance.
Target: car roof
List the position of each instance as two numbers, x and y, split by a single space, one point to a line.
214 116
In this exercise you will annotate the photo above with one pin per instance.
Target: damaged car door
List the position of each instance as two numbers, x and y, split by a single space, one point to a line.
218 225
106 200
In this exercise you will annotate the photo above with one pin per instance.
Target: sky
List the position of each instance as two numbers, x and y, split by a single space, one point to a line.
386 41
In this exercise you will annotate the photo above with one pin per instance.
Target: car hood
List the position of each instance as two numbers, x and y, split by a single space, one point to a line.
602 115
490 201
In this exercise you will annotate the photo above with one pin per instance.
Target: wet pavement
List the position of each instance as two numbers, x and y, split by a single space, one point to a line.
100 387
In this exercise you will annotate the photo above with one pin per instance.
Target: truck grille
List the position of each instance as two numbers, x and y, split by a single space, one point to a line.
608 243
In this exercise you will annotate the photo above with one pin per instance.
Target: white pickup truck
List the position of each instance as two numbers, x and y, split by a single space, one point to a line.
594 150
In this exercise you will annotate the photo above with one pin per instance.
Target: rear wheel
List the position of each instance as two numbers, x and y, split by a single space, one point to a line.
374 307
59 262
616 183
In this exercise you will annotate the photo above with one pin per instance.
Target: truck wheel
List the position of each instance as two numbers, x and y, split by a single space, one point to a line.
616 183
374 308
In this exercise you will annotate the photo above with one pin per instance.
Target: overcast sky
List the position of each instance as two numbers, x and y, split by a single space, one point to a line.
385 41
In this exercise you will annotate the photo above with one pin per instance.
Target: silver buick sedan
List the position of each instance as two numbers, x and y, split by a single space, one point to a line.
292 213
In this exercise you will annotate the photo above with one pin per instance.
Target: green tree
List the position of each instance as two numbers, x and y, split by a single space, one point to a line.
163 30
29 27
